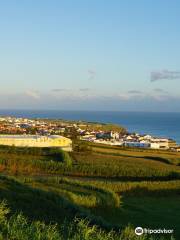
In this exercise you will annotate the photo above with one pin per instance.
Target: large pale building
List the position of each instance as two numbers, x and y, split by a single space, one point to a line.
36 141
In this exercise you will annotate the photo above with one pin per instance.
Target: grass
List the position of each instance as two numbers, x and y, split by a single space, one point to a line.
133 208
35 204
44 199
103 165
156 155
20 228
103 189
140 188
33 160
147 212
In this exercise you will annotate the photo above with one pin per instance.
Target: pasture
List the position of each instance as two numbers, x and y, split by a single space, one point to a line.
111 188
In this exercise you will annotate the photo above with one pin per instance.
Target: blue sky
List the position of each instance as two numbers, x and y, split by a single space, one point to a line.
90 54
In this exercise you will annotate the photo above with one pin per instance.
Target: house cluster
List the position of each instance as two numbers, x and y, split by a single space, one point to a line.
13 125
130 140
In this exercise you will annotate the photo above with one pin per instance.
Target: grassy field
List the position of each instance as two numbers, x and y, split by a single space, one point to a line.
107 187
121 167
157 155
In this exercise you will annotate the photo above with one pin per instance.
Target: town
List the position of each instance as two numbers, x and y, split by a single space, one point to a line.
91 132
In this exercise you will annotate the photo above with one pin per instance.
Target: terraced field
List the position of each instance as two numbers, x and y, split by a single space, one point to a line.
117 190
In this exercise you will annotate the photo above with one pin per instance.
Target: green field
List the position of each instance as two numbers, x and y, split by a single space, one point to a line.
99 192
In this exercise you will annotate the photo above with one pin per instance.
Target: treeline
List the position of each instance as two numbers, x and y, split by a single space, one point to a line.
104 127
37 151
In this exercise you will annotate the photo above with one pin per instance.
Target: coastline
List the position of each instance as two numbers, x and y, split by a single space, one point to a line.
156 124
109 134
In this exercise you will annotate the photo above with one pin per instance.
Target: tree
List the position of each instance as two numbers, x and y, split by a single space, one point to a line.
82 146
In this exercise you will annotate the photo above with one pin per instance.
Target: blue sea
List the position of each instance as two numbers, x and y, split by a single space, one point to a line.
157 124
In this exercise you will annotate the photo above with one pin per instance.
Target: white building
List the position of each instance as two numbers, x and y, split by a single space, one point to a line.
159 145
36 141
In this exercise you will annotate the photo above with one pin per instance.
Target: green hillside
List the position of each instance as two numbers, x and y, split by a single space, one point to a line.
96 192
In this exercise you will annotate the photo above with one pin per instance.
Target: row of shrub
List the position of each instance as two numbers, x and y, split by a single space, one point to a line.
108 198
105 168
34 160
106 165
77 197
122 168
35 151
142 188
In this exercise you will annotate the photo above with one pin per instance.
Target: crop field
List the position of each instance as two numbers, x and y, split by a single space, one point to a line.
122 167
158 155
99 194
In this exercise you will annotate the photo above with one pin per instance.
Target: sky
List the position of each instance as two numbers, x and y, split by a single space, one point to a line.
90 55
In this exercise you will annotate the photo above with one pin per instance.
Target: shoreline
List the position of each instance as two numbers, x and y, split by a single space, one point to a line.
161 124
97 132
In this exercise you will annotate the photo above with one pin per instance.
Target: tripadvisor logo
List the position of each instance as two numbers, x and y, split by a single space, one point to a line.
139 231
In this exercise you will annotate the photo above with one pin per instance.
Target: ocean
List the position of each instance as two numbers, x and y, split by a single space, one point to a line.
157 124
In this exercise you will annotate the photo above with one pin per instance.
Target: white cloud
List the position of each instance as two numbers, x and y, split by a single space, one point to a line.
164 75
90 100
33 94
89 94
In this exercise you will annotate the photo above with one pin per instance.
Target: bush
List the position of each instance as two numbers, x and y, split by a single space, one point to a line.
66 159
82 146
